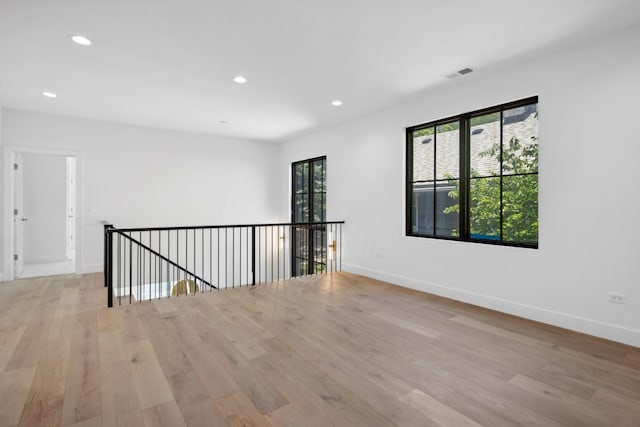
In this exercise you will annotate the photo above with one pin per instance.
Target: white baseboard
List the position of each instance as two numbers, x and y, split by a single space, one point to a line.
564 320
45 259
91 268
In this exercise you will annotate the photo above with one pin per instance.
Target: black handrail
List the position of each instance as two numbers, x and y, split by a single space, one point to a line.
206 227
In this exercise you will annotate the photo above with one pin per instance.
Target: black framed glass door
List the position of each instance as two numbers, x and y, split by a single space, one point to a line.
308 205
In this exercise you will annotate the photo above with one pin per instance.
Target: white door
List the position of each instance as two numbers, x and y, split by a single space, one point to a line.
18 216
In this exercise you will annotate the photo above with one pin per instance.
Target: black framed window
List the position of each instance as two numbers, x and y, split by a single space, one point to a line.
308 205
474 177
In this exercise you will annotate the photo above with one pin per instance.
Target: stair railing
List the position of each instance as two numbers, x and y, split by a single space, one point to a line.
150 263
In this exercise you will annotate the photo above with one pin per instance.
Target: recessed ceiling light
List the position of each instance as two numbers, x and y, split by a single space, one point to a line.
81 40
336 103
239 79
49 94
224 122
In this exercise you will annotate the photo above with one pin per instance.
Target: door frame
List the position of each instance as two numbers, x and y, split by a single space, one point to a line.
10 152
18 202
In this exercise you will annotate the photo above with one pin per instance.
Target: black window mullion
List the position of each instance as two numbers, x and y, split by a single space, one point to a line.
501 186
312 196
409 212
435 177
465 173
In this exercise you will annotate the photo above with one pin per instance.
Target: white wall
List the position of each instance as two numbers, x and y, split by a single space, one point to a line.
135 176
588 196
2 208
45 207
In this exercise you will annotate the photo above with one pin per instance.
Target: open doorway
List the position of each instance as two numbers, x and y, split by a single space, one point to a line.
44 214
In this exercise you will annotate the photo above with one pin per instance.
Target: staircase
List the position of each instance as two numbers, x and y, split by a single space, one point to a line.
142 264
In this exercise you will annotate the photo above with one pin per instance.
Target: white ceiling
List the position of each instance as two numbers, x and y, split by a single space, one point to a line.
170 63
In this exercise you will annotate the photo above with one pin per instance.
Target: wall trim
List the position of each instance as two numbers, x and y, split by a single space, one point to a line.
91 268
584 325
46 259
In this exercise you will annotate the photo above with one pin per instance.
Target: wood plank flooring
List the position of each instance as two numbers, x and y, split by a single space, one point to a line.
334 350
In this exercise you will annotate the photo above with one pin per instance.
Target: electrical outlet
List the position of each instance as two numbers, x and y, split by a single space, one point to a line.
617 298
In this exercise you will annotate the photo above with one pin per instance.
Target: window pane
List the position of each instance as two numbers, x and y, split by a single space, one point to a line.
319 182
299 178
520 140
485 145
448 151
305 177
447 208
520 209
423 146
318 207
484 208
423 209
302 208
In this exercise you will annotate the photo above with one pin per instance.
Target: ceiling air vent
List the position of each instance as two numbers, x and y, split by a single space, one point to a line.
459 73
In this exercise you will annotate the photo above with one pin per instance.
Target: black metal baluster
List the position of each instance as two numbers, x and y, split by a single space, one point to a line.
247 257
340 226
150 268
335 244
202 265
331 254
168 265
177 272
210 258
195 268
119 270
322 236
253 255
130 268
186 261
109 267
159 264
147 259
240 257
226 261
334 248
310 260
139 269
153 269
233 257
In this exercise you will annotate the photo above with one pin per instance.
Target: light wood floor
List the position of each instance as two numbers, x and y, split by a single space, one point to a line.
336 350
